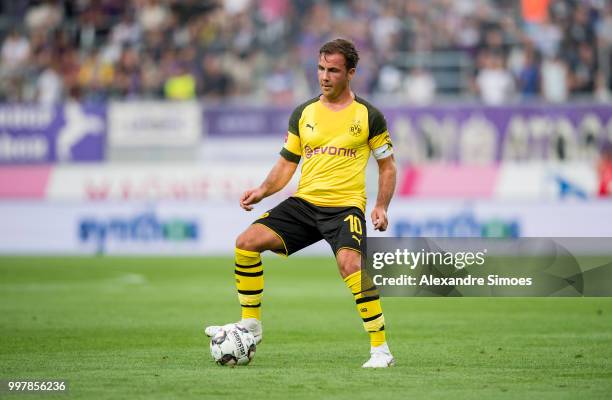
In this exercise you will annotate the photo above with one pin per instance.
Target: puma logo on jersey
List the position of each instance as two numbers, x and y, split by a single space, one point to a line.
357 239
311 127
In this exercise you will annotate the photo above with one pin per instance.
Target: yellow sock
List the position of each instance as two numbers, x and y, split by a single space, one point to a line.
249 282
368 305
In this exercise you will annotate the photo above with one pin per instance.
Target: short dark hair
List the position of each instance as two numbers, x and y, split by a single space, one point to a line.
344 47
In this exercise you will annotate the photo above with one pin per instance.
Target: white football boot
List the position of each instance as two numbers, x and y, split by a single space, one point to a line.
252 324
380 357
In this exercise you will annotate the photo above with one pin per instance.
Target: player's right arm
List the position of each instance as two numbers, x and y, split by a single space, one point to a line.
284 168
277 179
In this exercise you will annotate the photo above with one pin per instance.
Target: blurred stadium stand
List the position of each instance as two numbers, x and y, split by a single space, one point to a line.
500 112
262 50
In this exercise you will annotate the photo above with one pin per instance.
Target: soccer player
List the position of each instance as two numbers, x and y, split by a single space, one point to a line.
333 134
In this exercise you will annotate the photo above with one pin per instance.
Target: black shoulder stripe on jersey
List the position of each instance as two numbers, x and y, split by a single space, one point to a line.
294 119
376 120
289 156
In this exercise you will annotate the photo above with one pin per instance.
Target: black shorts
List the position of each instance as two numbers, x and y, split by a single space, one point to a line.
299 224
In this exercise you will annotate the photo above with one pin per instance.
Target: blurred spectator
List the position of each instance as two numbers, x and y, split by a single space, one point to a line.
49 87
547 37
386 29
493 82
529 74
534 11
602 92
181 85
584 70
15 51
45 16
467 35
233 7
152 78
280 85
555 79
95 76
127 32
216 83
390 79
604 171
494 42
581 29
604 33
420 87
152 15
127 82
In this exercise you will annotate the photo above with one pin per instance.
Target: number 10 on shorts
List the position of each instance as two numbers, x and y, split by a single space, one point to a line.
354 224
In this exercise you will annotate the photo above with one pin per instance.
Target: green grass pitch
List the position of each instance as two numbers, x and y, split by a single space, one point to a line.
133 328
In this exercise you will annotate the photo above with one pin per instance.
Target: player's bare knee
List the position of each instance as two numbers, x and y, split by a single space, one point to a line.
348 268
349 262
247 241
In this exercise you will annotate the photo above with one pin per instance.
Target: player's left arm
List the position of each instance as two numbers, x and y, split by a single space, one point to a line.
387 173
379 141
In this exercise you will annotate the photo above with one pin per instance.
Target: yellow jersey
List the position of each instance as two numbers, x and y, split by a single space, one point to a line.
335 147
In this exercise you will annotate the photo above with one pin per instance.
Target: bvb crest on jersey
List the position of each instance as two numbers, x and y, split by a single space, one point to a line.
355 129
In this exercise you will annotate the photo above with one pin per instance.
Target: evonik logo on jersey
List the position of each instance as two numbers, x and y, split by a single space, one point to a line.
329 150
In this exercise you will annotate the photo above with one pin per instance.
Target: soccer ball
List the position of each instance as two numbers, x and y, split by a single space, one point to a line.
232 345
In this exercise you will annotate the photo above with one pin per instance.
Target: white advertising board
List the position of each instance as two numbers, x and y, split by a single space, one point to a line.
154 124
206 228
536 180
169 181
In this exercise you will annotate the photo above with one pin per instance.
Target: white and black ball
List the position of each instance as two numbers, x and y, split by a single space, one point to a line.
232 345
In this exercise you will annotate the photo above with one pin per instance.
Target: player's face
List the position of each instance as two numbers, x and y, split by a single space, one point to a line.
333 76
